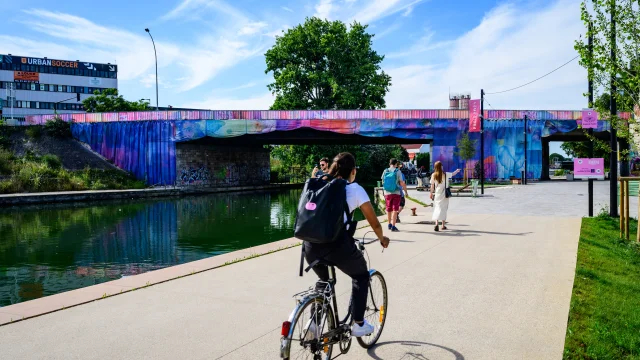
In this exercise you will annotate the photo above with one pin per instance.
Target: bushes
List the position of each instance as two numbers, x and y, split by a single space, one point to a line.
6 162
52 161
58 128
34 132
32 173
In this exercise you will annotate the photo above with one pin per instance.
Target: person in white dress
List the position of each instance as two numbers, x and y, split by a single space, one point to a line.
439 182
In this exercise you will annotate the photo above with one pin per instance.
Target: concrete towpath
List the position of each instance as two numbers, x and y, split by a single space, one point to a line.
494 286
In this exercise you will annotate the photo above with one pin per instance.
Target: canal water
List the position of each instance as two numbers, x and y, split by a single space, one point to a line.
52 249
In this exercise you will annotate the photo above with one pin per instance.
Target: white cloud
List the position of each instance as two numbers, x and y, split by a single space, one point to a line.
424 44
259 102
188 7
323 9
510 46
66 36
286 8
252 28
149 81
379 9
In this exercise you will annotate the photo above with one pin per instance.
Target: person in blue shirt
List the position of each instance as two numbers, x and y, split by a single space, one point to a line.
402 200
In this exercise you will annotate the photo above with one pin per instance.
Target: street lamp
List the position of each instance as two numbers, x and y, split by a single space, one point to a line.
156 53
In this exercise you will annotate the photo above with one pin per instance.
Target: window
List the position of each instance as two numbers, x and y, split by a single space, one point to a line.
33 86
59 88
37 105
42 87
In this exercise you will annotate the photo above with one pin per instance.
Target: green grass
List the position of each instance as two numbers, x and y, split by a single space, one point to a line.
604 319
33 173
416 201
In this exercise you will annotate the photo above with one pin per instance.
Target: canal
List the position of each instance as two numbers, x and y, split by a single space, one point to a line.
52 249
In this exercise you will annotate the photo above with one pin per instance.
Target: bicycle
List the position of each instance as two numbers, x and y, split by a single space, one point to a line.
321 305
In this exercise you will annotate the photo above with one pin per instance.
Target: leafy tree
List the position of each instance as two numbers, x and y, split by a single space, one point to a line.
556 157
322 64
371 159
423 159
466 151
623 70
580 149
109 101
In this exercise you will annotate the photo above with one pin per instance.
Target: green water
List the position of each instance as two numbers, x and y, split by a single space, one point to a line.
52 249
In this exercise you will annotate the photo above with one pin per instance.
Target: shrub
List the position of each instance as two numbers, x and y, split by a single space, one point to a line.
6 162
34 132
52 161
559 172
58 128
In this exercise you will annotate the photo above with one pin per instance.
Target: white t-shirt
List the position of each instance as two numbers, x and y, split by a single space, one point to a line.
356 196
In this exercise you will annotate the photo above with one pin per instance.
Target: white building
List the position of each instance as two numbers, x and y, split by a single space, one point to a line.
41 85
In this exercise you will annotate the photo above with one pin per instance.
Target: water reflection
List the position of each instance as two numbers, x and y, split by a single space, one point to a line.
48 250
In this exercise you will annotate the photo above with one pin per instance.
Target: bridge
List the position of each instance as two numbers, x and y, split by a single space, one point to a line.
225 148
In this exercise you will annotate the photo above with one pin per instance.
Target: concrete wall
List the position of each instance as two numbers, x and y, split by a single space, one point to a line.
220 166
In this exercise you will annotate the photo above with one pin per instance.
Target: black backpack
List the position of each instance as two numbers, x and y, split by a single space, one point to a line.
321 211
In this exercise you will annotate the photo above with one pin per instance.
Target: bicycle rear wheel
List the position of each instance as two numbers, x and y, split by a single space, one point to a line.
304 342
376 311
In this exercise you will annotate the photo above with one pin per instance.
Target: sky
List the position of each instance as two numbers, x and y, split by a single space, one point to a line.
211 52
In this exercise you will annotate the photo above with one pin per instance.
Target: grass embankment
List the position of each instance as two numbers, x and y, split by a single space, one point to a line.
604 319
33 173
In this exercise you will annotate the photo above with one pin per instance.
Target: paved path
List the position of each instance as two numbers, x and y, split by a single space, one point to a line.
558 198
492 287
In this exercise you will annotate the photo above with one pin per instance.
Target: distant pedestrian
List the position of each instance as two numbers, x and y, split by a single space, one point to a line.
393 186
440 193
402 200
323 170
423 176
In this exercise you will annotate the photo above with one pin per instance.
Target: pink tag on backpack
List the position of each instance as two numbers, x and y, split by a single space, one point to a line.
310 206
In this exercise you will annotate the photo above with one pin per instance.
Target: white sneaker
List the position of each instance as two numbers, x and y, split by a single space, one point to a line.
362 330
312 333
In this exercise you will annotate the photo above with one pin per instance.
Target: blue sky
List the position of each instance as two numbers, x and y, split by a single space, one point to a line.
211 52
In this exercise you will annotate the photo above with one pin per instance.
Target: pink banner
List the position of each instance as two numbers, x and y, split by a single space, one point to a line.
474 116
589 119
588 168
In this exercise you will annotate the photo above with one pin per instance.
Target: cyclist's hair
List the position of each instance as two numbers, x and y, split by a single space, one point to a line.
325 160
393 161
343 165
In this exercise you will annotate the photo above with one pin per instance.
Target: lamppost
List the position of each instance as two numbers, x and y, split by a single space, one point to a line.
156 54
147 100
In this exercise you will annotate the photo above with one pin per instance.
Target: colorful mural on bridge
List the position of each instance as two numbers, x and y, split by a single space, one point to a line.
144 142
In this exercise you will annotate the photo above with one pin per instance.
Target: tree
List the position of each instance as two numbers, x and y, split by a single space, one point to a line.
423 159
580 149
323 65
622 70
371 159
109 101
466 151
556 157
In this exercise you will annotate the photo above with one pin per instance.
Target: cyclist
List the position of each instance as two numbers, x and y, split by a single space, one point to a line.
343 253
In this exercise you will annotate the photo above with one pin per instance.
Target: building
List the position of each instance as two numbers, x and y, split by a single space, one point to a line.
31 86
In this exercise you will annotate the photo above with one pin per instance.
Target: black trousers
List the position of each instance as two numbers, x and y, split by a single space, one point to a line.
345 256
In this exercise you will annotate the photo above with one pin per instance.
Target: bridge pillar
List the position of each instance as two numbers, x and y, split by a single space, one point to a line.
210 165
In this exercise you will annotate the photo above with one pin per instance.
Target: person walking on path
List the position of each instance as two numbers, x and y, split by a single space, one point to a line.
324 168
440 182
402 200
393 186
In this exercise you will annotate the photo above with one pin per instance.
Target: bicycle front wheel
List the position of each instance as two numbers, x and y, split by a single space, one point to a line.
376 310
307 340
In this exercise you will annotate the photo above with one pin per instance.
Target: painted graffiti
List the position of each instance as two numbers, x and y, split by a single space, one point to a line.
194 175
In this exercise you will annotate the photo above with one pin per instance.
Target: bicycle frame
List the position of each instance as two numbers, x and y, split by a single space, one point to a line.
341 326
